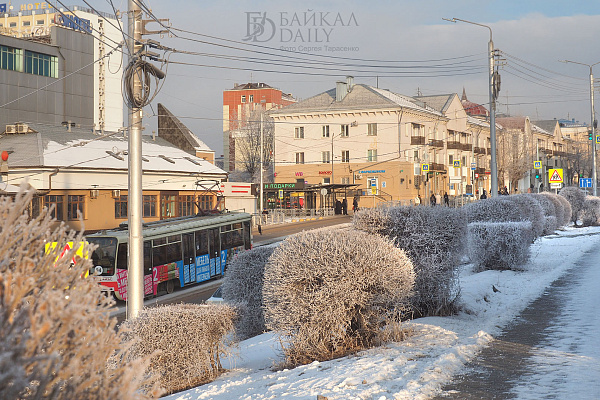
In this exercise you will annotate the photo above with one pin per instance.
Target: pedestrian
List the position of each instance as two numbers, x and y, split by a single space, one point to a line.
338 207
259 229
432 199
345 206
505 191
418 200
446 199
483 195
355 204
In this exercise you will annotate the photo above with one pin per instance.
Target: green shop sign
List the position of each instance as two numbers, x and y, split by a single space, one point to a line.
284 186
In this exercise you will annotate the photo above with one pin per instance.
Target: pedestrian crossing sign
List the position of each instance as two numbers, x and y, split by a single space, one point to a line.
597 139
425 167
456 163
555 175
537 165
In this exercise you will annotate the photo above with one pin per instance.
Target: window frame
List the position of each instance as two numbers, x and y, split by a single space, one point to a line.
372 129
326 157
299 132
325 131
74 201
345 130
371 155
120 202
300 157
345 156
58 201
149 205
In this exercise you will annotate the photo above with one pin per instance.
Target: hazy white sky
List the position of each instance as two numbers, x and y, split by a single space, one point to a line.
533 36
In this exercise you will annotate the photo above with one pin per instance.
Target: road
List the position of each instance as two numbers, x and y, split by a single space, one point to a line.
270 233
551 351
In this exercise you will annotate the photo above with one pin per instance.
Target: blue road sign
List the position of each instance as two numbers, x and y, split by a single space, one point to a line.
585 182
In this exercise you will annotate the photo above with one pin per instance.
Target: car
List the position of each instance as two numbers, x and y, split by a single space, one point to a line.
216 298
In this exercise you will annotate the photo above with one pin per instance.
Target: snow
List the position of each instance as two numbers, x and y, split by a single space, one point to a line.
438 347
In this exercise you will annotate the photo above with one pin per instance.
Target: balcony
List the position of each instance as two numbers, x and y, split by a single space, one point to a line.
437 167
480 171
453 145
417 140
436 143
479 150
466 146
548 152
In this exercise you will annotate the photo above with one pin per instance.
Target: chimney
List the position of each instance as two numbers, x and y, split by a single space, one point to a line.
350 82
341 90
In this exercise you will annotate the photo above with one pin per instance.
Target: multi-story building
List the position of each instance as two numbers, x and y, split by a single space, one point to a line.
359 140
239 104
60 65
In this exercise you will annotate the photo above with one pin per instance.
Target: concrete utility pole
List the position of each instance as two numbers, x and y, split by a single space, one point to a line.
593 124
493 92
135 278
262 134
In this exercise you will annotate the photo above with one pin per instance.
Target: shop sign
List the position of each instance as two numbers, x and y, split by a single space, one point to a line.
32 6
277 186
324 172
376 171
73 22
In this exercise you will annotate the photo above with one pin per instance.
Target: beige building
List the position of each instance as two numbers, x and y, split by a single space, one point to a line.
381 146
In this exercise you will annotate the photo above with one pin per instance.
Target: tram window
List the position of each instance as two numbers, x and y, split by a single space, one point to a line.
174 238
159 255
173 252
122 256
159 242
147 257
201 242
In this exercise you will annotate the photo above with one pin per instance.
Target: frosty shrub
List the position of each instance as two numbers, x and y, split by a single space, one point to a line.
56 336
243 284
330 292
530 210
575 197
499 245
550 215
559 209
433 238
590 212
550 225
184 341
496 209
568 210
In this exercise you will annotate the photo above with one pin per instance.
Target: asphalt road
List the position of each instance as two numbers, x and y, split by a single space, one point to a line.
197 294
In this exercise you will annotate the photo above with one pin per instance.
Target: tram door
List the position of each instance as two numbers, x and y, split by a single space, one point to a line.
214 249
189 258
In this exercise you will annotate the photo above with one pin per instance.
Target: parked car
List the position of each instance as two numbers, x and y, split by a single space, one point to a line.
216 298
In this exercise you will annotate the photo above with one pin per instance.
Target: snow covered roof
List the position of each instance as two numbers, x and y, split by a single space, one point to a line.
81 148
360 97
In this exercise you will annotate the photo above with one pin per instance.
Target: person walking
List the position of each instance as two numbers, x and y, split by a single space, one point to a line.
446 199
355 205
345 206
418 200
483 195
432 200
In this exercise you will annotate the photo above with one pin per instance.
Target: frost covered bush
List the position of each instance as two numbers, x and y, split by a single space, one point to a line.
563 216
433 238
568 210
550 224
56 336
496 209
243 284
330 292
590 212
184 342
549 210
499 245
530 210
575 197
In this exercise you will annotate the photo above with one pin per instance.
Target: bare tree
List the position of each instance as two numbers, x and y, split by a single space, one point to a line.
247 142
514 155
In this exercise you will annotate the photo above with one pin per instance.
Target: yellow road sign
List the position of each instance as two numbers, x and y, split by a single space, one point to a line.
537 165
456 163
425 167
555 175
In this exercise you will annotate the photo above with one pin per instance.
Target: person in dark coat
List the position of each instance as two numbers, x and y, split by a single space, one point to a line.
483 195
355 205
338 207
345 207
432 199
446 199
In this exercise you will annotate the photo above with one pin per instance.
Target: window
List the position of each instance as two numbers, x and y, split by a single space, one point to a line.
13 24
463 161
299 132
418 130
57 202
416 155
345 155
41 64
167 206
325 130
243 99
345 130
299 158
75 203
371 155
39 22
186 205
251 98
205 202
345 180
10 58
372 129
26 23
326 156
149 206
121 207
450 159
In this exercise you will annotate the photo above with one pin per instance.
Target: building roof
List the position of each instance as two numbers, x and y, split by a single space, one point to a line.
55 147
473 108
257 85
519 123
360 97
438 102
547 125
185 134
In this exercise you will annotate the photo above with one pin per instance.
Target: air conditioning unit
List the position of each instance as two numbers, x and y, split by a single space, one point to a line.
22 128
354 123
116 194
11 129
357 177
94 193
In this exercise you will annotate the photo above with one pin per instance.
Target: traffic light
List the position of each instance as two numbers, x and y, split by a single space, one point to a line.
537 175
590 135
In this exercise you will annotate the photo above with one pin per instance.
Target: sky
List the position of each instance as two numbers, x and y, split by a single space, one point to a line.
403 46
564 365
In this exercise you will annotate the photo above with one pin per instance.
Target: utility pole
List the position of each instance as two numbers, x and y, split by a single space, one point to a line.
135 278
593 124
262 134
494 89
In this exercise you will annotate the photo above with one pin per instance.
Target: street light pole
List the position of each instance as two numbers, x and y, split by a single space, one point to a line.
261 163
593 125
492 97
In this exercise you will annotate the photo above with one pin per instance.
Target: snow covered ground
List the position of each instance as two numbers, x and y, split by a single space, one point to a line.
438 347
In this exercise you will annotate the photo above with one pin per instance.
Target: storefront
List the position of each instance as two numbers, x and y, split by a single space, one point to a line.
288 196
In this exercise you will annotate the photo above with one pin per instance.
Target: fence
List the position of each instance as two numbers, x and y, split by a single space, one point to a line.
286 215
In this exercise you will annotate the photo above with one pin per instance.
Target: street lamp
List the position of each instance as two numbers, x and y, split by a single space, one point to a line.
593 125
492 94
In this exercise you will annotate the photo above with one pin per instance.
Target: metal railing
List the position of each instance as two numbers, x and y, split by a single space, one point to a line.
287 215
